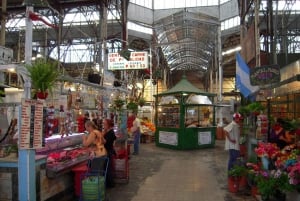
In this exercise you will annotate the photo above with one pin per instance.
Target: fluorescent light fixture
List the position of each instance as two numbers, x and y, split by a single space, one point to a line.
233 50
12 70
139 85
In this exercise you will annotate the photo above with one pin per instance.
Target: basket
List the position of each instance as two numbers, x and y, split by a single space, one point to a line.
93 188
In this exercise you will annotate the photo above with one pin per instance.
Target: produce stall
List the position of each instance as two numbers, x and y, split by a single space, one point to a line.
185 117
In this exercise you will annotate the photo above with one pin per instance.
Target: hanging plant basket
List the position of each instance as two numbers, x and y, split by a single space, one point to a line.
133 106
118 104
43 75
141 102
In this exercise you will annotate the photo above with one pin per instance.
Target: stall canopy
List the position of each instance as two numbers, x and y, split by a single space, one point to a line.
185 87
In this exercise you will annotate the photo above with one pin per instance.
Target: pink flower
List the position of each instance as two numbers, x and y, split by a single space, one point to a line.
294 174
269 150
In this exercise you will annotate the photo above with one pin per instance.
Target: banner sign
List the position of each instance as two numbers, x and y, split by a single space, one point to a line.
264 75
137 60
32 116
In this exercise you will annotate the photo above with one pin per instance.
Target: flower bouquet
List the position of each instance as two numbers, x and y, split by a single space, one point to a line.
267 153
268 150
294 175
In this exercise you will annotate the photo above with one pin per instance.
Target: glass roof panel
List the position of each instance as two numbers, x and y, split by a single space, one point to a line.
187 39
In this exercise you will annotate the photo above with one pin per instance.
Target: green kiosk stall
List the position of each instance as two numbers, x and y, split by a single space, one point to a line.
185 117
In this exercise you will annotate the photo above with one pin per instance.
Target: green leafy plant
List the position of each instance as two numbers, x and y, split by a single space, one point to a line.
141 101
255 107
43 75
132 106
1 93
118 103
244 111
238 171
271 182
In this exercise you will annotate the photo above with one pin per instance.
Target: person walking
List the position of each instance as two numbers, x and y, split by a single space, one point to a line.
232 133
110 137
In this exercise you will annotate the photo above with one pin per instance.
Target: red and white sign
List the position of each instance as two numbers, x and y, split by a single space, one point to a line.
138 60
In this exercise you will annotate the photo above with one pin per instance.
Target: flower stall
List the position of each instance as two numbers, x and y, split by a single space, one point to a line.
277 173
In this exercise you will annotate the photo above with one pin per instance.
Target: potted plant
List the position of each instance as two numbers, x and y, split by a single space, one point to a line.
43 75
133 106
13 150
118 104
255 108
141 101
272 183
237 178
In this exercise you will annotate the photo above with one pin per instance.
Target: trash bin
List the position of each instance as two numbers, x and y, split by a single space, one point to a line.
78 170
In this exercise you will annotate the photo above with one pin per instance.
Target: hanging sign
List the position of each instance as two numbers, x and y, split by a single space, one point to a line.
31 135
137 60
264 75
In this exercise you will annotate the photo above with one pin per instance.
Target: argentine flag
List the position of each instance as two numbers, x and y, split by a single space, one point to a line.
242 79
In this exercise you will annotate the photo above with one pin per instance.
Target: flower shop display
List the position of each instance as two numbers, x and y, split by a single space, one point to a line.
280 175
267 152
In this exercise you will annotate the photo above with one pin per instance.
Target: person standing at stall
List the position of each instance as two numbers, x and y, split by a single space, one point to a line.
110 137
95 140
136 132
232 133
279 135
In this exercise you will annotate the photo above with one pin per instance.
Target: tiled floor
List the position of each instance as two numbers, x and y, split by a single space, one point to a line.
160 174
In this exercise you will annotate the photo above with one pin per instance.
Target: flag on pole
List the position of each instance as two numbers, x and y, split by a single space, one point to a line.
242 79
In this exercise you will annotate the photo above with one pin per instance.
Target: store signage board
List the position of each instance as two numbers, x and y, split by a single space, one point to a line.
204 138
264 75
31 135
170 138
138 60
